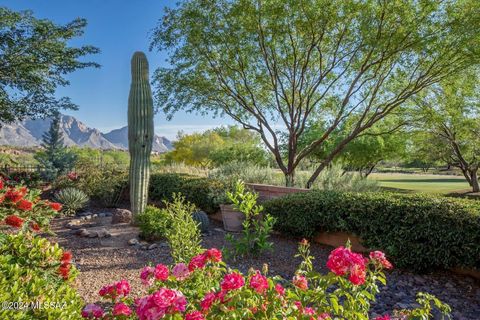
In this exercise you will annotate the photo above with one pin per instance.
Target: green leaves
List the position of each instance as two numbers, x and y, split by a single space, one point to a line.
34 59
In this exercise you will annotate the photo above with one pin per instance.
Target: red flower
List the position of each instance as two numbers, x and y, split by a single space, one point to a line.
197 262
64 270
213 255
34 226
300 282
195 315
280 289
342 261
161 272
14 195
1 184
207 301
259 283
385 317
55 206
14 221
66 257
121 309
72 176
232 281
24 205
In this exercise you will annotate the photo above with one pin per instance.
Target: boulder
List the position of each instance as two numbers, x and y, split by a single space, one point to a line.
121 216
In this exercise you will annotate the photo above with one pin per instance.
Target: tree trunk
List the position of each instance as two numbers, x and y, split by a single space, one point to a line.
290 179
474 181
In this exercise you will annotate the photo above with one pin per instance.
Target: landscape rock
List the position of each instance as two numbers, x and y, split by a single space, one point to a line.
82 232
133 242
103 233
92 234
152 246
121 216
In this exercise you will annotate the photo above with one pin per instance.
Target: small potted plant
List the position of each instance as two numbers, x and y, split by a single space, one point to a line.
231 217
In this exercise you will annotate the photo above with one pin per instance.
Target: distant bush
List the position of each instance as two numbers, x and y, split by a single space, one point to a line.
420 232
72 199
103 183
203 192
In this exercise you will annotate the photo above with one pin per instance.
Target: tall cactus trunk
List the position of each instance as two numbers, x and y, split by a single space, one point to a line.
140 132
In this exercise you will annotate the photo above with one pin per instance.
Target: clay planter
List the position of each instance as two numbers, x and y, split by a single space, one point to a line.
232 219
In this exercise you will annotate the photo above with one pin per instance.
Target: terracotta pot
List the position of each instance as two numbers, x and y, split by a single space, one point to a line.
232 219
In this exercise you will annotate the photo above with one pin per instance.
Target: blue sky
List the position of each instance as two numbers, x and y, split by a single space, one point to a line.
118 28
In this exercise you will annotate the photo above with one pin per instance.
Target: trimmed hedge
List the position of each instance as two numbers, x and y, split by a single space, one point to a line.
420 232
203 192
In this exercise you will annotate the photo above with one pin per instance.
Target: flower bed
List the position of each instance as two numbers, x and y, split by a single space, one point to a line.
206 288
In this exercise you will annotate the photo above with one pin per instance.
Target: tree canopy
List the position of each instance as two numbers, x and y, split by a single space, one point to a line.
450 116
34 58
272 65
216 147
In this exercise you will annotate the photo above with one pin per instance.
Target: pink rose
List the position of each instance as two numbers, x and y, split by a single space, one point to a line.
146 275
121 309
161 272
379 256
259 283
280 289
207 301
197 262
92 310
180 271
232 281
123 287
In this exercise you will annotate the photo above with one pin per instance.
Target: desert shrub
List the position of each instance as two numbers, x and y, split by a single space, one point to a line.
102 183
174 223
205 288
248 172
153 223
418 231
182 234
203 192
33 269
72 199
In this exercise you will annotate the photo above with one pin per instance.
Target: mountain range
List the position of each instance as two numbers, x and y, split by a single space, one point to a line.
28 133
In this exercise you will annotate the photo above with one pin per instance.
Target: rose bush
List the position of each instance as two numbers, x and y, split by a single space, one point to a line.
206 288
21 207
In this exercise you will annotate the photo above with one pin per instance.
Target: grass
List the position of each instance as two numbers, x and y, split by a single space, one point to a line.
427 183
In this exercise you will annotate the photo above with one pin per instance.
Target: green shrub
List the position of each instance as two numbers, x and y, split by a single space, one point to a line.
72 200
418 231
153 223
29 272
203 192
183 234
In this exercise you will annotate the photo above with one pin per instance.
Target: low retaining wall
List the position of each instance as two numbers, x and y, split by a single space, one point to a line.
267 192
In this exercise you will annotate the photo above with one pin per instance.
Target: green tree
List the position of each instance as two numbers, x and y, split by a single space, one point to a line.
272 65
34 57
216 147
55 158
451 115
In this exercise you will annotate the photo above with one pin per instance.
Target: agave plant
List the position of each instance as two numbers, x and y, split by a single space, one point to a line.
72 199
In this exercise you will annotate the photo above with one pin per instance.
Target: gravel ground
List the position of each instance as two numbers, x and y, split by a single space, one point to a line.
105 260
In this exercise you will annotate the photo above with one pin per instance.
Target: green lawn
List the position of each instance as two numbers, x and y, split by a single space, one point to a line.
428 183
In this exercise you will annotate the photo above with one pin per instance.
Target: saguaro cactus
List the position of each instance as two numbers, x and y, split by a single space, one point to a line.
140 132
